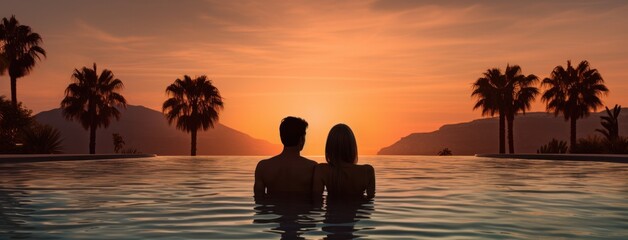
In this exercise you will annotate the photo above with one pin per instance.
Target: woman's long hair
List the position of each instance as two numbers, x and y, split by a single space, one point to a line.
340 147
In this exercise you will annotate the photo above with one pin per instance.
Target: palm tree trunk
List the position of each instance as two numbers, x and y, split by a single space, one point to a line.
92 138
511 138
502 142
14 91
193 150
572 136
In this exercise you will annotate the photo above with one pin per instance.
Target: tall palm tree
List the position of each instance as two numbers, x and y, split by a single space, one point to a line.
92 100
489 90
574 93
20 48
194 105
610 124
520 92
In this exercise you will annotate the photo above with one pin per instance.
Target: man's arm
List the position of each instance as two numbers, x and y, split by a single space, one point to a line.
370 188
259 188
318 184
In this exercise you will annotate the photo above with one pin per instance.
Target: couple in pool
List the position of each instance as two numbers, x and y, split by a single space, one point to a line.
290 174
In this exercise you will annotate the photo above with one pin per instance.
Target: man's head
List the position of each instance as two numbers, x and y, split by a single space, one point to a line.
292 132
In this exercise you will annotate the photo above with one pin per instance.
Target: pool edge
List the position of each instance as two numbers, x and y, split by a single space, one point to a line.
561 157
24 158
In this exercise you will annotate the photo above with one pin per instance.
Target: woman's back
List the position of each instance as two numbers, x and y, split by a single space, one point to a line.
345 180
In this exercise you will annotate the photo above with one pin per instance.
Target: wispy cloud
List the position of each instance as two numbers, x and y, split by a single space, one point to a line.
90 31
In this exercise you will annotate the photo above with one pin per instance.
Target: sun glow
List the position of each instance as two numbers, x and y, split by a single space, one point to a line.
385 68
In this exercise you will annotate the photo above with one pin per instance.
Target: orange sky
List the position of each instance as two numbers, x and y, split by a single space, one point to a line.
385 68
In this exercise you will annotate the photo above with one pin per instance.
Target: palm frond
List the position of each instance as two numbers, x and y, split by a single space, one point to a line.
42 140
193 103
21 48
92 98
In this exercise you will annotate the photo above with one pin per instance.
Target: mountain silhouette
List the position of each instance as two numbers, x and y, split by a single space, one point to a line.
481 136
148 131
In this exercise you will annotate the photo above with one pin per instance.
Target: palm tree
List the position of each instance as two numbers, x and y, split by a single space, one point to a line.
194 105
610 124
489 90
520 92
92 100
20 49
574 92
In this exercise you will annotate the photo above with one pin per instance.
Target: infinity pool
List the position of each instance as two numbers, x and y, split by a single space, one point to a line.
211 198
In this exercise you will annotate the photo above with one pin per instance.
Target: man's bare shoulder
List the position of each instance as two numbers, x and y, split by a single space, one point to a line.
309 161
266 161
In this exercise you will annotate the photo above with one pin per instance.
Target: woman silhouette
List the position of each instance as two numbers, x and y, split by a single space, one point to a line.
341 175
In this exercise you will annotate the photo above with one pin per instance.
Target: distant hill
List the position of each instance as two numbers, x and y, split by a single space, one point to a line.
148 131
481 136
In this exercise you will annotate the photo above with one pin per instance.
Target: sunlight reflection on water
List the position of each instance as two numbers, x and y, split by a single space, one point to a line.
418 197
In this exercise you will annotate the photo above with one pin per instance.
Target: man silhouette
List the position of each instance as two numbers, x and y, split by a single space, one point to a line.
287 173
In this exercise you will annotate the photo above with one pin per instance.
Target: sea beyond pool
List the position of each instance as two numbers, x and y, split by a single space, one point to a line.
210 197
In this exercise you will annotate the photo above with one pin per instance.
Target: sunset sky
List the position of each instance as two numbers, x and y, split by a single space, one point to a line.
385 68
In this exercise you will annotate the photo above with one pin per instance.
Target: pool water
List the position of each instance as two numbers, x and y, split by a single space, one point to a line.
418 197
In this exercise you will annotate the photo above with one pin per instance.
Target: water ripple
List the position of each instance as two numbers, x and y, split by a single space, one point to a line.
417 198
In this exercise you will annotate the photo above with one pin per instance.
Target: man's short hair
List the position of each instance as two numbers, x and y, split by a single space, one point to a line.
291 130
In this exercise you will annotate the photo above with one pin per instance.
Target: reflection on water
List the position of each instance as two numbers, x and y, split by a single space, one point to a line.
211 198
291 218
13 215
288 217
341 217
